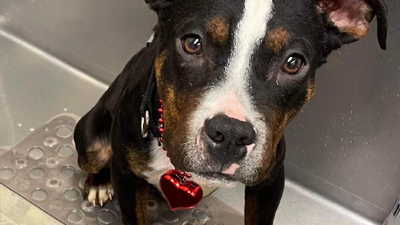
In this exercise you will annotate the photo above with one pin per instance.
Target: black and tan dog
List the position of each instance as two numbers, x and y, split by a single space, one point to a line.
232 74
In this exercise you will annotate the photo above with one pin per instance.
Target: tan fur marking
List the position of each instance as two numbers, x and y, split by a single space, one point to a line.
178 107
218 27
160 59
310 89
97 156
138 161
357 33
280 124
141 204
277 39
103 149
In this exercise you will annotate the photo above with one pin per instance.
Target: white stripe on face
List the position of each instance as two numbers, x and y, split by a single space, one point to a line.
248 35
250 31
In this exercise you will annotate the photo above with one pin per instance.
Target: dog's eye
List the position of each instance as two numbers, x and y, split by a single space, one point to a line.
293 64
192 45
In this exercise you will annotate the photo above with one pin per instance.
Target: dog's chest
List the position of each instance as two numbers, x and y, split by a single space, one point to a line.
161 164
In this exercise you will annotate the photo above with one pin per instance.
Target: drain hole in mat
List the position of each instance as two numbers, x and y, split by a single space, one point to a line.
36 153
53 183
49 142
170 216
37 173
87 206
152 205
72 194
39 195
21 163
22 184
81 183
201 216
67 171
52 162
63 132
106 216
6 174
57 206
74 216
65 151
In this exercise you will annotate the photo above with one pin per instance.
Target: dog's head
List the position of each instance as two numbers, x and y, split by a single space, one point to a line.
233 73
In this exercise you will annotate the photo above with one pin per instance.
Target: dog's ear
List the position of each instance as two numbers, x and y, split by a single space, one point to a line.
349 20
158 5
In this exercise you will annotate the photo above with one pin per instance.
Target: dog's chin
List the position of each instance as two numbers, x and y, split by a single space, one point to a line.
214 179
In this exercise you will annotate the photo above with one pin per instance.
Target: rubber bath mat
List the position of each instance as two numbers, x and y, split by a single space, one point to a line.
43 169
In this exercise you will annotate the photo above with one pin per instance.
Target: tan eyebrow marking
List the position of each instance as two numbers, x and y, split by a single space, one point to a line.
277 39
219 29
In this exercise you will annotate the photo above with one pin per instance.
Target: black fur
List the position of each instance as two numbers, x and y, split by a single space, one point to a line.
115 120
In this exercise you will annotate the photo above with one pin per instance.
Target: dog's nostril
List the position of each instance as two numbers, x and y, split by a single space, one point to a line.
241 142
245 141
218 137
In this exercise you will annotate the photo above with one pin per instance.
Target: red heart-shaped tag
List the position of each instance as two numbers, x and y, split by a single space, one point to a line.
179 192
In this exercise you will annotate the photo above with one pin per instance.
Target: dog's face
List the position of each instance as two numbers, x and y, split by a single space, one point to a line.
233 73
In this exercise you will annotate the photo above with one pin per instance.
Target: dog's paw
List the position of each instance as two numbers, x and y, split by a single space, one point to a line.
98 194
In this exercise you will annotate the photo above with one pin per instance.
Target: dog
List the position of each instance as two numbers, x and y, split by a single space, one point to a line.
231 74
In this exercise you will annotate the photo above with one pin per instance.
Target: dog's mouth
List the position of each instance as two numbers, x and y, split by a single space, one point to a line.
216 176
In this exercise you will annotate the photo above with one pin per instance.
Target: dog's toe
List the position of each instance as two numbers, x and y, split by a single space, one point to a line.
110 191
103 196
92 195
98 194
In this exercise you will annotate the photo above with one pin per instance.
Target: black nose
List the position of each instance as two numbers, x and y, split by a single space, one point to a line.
228 138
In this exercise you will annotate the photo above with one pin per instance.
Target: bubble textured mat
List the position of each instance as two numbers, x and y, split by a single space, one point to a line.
43 169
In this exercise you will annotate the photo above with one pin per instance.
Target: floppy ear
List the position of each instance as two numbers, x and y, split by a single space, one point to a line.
349 20
158 5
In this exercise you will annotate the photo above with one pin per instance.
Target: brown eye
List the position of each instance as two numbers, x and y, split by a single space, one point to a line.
192 45
293 64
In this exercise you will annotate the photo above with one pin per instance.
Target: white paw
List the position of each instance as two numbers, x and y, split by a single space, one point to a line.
100 194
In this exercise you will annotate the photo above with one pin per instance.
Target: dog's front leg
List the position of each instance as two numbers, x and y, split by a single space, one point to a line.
132 194
263 200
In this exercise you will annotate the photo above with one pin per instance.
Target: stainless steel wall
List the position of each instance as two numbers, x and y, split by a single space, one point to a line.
96 36
345 144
